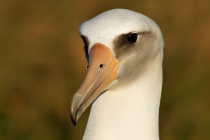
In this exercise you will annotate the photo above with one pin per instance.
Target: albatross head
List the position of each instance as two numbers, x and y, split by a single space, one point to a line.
119 45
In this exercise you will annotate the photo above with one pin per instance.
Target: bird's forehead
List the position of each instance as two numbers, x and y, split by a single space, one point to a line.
108 25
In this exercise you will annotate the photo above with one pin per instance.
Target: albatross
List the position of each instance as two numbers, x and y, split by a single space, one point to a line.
124 51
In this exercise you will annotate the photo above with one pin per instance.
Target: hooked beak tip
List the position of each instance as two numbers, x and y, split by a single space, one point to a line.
73 117
73 120
74 108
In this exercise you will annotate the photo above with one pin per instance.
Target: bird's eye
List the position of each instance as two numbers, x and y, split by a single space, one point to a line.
132 37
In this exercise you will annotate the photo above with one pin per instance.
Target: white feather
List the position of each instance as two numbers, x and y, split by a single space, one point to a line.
127 112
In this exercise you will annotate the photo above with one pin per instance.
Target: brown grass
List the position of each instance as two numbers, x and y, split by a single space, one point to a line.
42 64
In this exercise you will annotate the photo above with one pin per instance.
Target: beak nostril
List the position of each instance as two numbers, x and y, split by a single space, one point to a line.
87 66
101 66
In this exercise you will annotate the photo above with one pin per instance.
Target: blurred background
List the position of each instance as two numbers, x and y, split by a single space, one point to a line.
42 65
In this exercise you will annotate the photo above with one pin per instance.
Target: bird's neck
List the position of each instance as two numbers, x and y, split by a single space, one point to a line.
128 112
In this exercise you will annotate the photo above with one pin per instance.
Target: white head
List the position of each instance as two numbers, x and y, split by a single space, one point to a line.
119 45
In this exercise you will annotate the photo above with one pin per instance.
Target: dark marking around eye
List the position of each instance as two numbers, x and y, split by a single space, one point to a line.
86 43
125 43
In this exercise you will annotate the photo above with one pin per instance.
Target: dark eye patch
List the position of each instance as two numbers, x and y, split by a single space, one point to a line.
86 43
126 39
125 43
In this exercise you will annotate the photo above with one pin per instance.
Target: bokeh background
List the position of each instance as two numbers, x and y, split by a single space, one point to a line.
42 64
